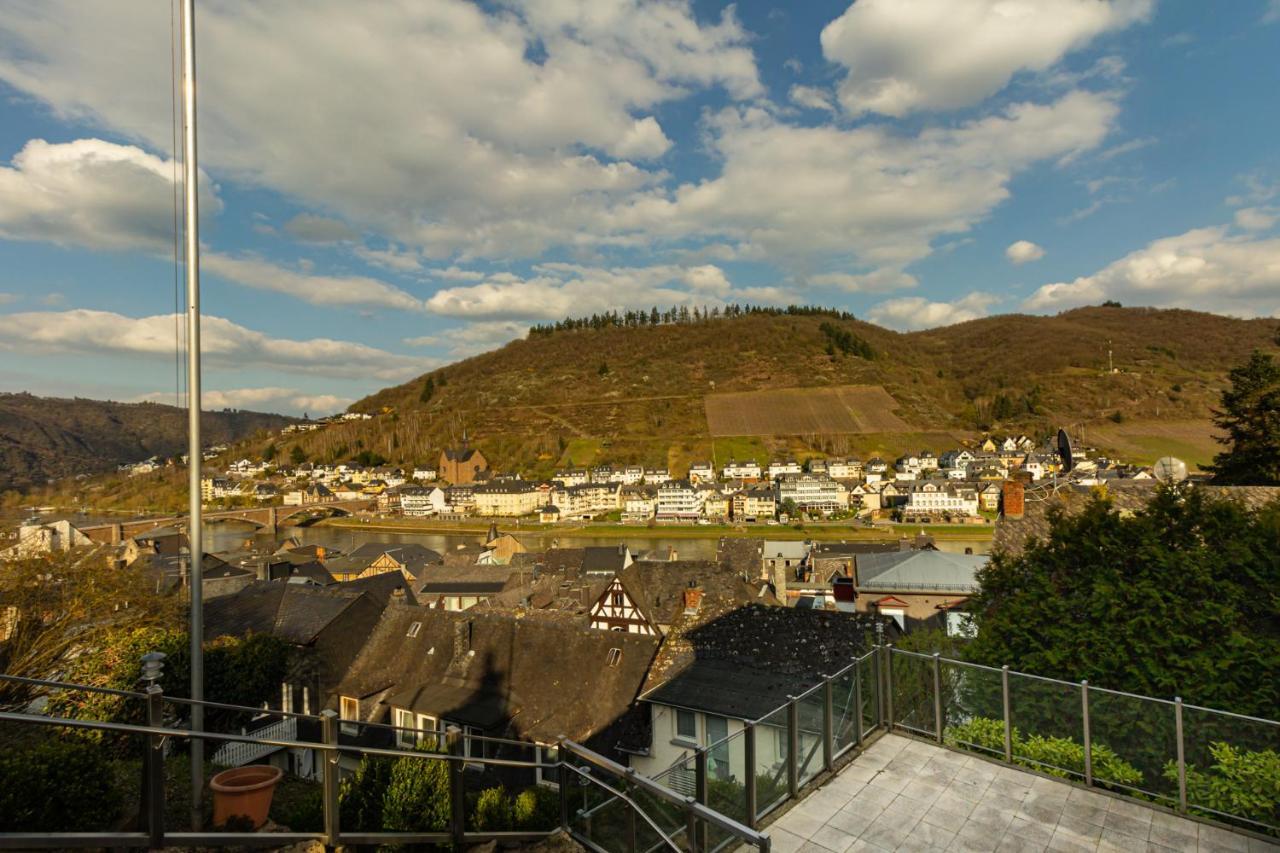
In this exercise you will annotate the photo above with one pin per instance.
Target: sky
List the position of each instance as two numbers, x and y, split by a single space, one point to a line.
387 187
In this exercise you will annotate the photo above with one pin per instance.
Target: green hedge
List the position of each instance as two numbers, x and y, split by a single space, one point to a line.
1056 756
1239 782
65 782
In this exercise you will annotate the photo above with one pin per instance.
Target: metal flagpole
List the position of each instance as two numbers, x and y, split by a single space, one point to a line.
191 189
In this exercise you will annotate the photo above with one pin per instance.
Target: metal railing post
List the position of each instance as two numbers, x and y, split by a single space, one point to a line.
629 788
332 765
937 695
1004 703
1088 732
1182 754
793 748
828 726
749 772
857 702
700 786
691 826
888 686
153 770
563 776
457 788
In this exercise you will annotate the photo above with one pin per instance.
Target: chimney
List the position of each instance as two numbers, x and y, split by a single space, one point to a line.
397 594
320 552
671 554
692 597
1011 499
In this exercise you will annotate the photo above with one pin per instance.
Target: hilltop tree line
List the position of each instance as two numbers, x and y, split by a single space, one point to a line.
681 314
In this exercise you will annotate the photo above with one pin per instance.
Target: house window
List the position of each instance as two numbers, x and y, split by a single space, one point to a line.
306 700
413 629
617 599
349 712
899 615
429 731
405 735
615 657
686 725
286 697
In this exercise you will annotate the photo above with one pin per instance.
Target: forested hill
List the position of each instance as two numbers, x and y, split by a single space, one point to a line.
42 438
625 389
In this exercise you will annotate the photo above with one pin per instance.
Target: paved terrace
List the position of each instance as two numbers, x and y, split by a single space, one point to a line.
905 794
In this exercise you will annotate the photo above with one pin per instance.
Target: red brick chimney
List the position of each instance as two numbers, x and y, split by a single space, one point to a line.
1011 499
692 596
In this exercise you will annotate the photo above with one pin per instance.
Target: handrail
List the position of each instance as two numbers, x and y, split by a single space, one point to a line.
626 799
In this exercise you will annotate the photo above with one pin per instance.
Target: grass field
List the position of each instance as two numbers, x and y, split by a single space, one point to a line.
1146 441
804 411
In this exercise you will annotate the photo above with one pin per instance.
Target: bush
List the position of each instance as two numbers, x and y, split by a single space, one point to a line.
1239 782
299 805
360 798
537 808
494 811
417 798
62 783
1056 756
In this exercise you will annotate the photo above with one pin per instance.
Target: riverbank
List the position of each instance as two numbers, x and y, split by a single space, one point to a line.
818 532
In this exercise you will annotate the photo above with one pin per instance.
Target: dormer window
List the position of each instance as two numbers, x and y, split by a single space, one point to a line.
615 657
414 629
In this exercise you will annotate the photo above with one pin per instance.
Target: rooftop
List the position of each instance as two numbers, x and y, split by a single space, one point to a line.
906 794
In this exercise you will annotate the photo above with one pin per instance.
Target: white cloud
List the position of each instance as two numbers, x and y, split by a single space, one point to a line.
812 97
1272 13
223 344
876 281
91 193
463 341
1257 218
316 289
1023 251
915 312
787 191
8 298
943 54
269 399
522 122
558 290
391 258
319 229
1206 269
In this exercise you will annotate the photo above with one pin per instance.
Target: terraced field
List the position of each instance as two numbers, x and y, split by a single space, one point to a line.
804 411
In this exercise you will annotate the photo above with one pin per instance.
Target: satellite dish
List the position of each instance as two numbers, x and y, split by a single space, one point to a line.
1170 469
1064 451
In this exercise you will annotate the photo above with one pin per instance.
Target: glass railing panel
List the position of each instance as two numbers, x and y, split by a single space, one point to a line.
913 693
1132 739
810 713
1048 725
599 816
845 709
973 708
773 747
1228 757
869 670
727 773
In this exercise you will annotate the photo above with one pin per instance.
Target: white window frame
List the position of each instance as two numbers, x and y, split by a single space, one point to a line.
286 696
547 753
350 719
429 731
681 736
406 736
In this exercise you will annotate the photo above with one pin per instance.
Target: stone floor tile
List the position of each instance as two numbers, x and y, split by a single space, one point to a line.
1257 845
923 791
1127 824
861 845
1017 844
1032 830
1085 812
997 820
1079 828
1090 798
1065 842
1174 832
833 838
1114 841
1215 838
951 814
1135 810
852 821
872 798
812 847
1041 811
800 823
931 836
887 831
782 841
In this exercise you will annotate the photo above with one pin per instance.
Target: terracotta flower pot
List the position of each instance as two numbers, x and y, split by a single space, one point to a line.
244 792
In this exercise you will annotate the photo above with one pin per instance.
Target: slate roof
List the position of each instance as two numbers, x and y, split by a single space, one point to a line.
904 571
657 587
546 679
381 587
604 558
740 555
293 612
746 662
461 454
1011 534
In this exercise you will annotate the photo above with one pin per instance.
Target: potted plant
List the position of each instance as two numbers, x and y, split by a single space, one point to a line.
244 793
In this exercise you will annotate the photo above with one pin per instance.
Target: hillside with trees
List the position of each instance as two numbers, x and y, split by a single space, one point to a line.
43 438
632 387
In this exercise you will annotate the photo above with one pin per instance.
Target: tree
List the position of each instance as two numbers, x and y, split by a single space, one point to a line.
1177 599
58 605
1250 421
428 390
269 452
297 455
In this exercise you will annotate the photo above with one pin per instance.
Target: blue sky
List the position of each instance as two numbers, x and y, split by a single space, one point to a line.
388 187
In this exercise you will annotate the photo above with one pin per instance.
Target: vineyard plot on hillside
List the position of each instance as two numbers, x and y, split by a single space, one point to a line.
804 411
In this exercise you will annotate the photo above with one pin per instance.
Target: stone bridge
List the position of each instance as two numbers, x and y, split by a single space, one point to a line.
267 517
